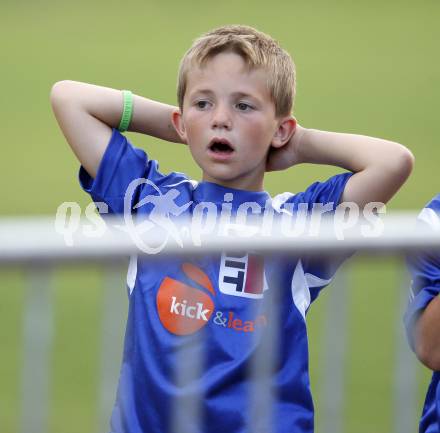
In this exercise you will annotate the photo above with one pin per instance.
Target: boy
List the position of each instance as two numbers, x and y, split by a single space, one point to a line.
422 318
235 92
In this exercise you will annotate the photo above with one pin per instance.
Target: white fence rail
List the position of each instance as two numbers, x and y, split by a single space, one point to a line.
31 239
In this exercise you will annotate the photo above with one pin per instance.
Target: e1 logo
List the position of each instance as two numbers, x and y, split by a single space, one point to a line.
242 275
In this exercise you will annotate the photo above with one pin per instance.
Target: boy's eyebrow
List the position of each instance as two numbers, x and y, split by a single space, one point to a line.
244 94
234 94
209 92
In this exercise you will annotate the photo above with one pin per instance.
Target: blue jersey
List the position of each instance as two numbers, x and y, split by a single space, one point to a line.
213 343
425 271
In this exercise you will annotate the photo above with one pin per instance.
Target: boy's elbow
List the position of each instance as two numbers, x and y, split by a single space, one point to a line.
61 92
402 163
407 160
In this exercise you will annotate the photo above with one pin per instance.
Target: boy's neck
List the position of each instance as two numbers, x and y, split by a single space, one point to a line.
253 185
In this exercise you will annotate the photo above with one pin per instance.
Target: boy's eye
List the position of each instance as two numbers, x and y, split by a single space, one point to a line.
242 106
202 104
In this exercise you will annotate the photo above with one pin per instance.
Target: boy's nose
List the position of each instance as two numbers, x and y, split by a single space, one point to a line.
221 117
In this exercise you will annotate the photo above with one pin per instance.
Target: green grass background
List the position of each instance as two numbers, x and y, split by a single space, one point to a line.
369 67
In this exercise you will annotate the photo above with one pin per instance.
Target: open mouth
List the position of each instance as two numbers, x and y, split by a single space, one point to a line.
221 147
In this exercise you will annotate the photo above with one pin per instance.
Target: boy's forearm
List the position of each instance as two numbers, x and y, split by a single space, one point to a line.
153 118
105 104
348 151
380 167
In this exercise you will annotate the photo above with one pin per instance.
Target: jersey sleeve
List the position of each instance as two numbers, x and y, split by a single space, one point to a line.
324 268
328 192
425 272
121 164
313 273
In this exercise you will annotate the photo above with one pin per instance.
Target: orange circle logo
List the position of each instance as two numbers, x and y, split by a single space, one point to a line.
184 309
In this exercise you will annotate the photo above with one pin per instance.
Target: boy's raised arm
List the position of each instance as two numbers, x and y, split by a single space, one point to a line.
87 113
380 166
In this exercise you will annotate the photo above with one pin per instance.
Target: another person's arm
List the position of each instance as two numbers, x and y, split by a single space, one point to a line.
380 166
427 335
87 113
422 318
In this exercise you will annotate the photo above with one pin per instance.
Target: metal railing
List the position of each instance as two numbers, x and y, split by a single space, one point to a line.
34 245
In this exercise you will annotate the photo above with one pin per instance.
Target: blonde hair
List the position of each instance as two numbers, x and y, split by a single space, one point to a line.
257 49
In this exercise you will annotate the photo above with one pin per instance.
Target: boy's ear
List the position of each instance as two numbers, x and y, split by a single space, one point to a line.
286 128
179 125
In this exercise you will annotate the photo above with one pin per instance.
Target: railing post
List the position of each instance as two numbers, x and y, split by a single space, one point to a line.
113 325
405 380
335 342
37 345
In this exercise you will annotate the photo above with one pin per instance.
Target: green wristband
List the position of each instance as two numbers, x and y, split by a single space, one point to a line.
127 111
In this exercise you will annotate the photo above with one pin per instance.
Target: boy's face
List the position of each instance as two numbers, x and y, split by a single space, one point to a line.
229 122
